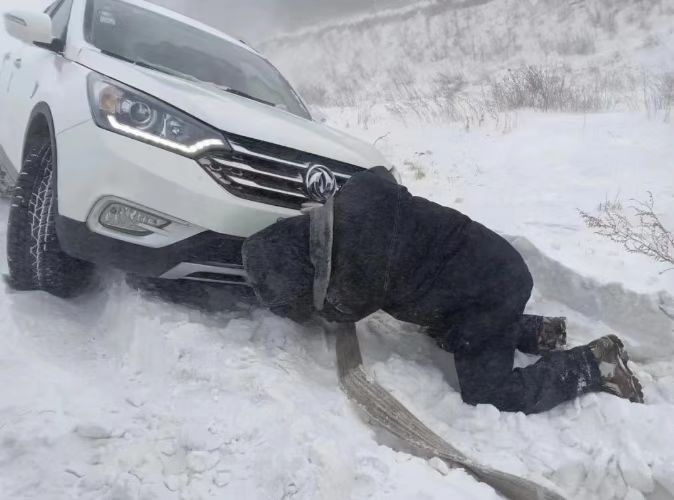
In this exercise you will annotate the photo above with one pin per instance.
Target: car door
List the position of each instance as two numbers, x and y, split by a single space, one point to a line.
8 53
28 66
6 57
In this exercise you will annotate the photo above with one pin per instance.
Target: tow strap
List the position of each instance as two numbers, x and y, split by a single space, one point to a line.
380 406
388 413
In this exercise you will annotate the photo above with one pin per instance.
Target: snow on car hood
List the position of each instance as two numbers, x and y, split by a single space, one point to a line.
236 114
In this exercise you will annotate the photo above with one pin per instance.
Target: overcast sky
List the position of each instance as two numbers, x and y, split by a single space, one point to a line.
256 20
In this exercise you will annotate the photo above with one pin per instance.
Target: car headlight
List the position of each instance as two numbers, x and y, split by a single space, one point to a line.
129 112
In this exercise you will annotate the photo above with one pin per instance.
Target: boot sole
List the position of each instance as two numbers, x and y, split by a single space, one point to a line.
623 359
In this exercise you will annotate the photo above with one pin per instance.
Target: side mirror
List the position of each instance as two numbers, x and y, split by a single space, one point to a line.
30 27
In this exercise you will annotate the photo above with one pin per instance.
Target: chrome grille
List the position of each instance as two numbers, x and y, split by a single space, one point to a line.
268 173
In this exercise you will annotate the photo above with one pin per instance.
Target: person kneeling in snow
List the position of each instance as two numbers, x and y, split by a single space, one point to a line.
374 247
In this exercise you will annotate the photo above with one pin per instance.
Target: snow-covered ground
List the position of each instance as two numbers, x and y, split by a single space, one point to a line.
122 395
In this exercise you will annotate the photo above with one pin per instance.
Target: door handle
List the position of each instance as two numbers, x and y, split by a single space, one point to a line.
17 63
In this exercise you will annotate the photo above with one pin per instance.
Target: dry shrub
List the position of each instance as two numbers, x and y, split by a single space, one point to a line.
642 233
448 85
658 93
548 89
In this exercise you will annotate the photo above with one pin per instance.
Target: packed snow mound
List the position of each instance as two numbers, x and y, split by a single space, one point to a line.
124 396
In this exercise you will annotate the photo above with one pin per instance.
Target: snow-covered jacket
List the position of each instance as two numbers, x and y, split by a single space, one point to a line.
377 247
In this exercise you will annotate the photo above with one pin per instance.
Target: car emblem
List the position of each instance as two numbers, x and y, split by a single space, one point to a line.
320 183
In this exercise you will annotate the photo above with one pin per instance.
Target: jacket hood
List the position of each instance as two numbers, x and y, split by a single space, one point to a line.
235 114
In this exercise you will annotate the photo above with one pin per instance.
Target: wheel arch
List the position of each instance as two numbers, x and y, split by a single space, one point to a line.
35 256
41 122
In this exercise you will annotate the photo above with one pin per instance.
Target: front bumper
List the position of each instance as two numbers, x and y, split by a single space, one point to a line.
209 227
210 256
94 164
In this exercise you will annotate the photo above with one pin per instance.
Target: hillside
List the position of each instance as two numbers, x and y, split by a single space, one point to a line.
455 51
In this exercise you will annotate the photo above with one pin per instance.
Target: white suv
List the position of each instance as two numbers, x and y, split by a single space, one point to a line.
152 143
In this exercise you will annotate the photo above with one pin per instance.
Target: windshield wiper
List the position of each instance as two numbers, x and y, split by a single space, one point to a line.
231 90
156 67
247 96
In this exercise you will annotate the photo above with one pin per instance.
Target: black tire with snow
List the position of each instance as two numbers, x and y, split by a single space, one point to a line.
35 258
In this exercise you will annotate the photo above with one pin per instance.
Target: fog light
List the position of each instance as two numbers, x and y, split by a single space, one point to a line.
130 220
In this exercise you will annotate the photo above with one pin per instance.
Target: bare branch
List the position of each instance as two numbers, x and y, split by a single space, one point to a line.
642 233
666 313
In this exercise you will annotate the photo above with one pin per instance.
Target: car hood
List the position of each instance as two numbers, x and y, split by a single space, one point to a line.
236 114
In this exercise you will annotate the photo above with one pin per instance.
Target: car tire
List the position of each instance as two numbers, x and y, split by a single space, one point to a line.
34 255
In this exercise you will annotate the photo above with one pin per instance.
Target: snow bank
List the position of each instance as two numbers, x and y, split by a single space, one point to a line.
122 395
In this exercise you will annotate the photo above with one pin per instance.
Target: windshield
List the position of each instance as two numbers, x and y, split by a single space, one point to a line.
159 42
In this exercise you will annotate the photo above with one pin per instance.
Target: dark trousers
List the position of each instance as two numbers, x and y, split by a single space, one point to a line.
486 373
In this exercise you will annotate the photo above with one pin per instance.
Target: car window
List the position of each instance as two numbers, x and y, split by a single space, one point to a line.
60 15
150 39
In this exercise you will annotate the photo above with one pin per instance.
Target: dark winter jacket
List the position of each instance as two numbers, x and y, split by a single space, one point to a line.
418 261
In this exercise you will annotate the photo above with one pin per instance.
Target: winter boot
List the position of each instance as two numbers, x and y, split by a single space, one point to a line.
616 377
540 335
552 335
